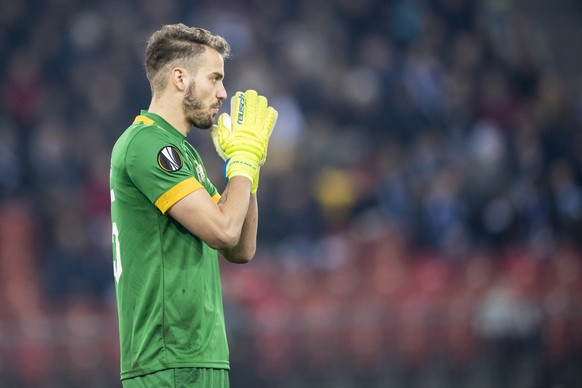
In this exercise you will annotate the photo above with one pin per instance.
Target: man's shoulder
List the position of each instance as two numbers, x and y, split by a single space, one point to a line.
144 133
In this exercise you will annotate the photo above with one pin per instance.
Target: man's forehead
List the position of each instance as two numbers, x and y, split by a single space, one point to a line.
212 62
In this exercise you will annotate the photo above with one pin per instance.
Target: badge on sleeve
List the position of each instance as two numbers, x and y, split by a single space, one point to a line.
169 159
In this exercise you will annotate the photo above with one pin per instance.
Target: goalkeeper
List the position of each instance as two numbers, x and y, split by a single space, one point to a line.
168 219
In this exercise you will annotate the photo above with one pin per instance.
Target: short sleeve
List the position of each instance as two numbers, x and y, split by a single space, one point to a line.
155 164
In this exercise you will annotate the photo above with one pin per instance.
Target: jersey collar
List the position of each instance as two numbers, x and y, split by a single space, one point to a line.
149 118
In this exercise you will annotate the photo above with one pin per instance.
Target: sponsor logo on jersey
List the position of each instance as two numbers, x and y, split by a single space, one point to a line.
169 159
200 173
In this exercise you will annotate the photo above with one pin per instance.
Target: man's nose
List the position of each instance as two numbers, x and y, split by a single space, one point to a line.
221 94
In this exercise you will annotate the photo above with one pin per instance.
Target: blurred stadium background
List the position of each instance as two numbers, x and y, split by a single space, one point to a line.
421 211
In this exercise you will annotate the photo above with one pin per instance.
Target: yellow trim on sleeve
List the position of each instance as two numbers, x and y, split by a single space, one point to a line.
176 193
216 197
143 119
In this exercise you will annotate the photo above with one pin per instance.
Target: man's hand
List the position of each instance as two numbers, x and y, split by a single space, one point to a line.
243 142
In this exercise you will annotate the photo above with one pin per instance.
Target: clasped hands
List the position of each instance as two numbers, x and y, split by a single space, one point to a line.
242 138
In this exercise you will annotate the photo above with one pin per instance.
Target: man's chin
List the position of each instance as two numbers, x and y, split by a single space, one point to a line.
207 124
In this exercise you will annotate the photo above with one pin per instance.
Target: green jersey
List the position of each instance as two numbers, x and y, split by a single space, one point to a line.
167 280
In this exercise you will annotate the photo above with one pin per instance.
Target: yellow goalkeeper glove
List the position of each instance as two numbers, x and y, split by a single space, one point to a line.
242 144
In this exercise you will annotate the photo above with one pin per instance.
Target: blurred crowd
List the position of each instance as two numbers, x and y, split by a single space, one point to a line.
420 210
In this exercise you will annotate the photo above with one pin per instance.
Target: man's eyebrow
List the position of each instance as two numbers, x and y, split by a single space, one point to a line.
217 75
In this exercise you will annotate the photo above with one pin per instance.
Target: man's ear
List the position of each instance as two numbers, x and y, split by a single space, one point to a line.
179 78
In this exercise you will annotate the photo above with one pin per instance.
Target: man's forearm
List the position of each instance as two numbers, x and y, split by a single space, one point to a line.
244 251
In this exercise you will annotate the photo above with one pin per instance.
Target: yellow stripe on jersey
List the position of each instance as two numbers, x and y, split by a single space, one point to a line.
143 119
216 198
176 193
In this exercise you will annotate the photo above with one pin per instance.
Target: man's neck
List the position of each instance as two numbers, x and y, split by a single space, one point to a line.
172 113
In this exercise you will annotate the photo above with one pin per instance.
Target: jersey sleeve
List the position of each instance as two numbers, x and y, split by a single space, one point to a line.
156 166
202 174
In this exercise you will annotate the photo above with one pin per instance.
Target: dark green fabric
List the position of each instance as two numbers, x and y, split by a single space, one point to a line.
181 378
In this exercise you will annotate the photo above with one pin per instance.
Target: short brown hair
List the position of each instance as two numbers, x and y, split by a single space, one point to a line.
175 44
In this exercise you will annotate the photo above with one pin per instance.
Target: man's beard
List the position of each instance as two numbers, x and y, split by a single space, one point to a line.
193 110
